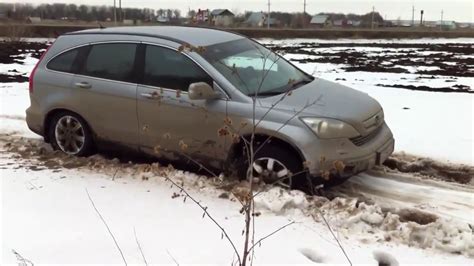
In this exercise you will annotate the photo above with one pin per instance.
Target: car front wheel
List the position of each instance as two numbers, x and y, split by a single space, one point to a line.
276 165
69 133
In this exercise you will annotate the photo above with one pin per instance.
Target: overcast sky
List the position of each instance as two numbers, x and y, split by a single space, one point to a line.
459 10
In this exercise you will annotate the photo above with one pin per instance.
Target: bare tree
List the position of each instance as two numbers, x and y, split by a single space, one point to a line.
251 148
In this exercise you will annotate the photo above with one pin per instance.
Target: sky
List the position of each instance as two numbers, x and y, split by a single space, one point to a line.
458 10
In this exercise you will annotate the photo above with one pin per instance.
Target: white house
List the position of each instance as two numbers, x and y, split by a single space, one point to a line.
222 17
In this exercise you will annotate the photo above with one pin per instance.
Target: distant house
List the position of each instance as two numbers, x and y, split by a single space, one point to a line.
260 19
163 19
345 23
401 23
321 21
430 24
256 19
222 17
353 23
446 24
202 16
33 20
129 22
465 25
273 22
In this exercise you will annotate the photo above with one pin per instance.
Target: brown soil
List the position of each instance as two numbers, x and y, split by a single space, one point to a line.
450 58
455 88
14 53
448 172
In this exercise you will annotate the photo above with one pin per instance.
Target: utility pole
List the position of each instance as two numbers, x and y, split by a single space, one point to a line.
115 12
268 15
441 22
413 16
421 17
304 14
373 13
120 10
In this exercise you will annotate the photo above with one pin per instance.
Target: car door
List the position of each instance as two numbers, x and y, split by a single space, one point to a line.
170 123
106 92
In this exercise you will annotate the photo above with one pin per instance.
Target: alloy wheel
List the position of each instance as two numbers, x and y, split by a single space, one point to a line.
272 171
69 134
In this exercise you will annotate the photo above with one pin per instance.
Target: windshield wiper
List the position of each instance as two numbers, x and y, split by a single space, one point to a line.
292 86
268 93
299 83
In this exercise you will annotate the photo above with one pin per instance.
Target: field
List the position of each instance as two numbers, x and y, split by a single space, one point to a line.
418 208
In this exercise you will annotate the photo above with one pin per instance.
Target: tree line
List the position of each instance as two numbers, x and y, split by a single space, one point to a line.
84 12
59 11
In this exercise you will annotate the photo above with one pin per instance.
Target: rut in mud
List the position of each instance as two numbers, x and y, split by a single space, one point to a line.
351 214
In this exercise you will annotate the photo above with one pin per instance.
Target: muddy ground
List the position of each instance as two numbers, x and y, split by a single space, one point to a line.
55 160
452 59
431 60
16 53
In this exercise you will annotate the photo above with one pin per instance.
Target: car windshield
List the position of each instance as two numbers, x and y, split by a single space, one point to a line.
253 69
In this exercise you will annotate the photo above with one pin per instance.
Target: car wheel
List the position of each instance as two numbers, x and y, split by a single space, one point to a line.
276 165
70 134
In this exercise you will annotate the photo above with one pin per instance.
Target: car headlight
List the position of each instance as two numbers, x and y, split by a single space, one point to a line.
327 128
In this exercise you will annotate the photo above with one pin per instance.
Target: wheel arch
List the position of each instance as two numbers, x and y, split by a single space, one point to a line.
237 149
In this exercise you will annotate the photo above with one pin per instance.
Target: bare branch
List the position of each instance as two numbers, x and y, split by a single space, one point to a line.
171 256
206 213
107 226
139 246
269 235
21 260
334 236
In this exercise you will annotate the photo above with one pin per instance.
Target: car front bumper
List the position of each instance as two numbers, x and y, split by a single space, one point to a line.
342 158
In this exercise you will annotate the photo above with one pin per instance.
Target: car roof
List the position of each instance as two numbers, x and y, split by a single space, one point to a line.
195 36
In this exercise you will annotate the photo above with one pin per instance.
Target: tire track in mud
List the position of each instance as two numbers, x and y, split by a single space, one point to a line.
393 191
353 214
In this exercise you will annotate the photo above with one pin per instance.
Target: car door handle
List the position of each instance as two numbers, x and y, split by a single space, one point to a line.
83 85
152 96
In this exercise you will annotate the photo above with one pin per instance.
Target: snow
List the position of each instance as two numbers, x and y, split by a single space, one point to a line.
61 226
342 40
47 217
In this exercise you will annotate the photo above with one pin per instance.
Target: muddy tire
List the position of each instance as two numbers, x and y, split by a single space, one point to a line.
277 165
70 134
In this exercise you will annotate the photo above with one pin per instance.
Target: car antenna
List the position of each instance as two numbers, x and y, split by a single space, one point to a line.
101 26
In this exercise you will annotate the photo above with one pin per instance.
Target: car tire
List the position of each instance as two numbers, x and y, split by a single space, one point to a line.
70 134
272 162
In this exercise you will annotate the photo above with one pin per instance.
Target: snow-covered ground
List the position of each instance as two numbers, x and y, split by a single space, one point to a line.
47 217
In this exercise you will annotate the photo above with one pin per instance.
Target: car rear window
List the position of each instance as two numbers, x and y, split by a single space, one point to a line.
111 61
170 69
63 62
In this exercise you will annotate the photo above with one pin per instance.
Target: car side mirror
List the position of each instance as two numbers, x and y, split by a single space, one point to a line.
201 91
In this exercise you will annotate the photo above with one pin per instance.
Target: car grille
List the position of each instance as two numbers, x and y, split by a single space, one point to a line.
361 140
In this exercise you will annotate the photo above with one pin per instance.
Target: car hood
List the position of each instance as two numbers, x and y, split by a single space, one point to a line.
333 100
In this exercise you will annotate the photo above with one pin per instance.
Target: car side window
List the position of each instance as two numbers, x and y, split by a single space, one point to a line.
113 61
170 69
64 62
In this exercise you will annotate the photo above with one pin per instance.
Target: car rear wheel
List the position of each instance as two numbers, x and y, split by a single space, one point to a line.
70 134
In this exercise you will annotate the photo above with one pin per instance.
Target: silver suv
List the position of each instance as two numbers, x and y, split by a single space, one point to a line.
184 92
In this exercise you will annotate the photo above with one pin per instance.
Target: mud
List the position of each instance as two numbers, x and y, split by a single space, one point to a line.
453 59
455 88
352 215
404 163
13 78
16 53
